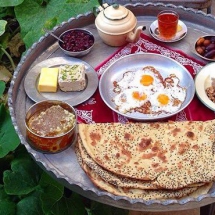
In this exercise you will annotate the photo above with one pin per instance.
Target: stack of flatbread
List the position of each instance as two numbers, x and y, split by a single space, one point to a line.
154 160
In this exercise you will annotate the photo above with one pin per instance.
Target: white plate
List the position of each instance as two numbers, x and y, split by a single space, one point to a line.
181 32
73 98
202 81
163 64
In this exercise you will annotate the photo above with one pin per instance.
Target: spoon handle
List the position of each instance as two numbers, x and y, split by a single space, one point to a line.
56 37
49 32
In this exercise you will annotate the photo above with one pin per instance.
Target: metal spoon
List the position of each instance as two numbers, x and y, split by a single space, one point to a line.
49 32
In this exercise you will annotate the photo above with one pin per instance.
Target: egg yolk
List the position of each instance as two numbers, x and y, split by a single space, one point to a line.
163 99
146 80
136 95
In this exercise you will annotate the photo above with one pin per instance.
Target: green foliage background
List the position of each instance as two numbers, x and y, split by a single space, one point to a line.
34 15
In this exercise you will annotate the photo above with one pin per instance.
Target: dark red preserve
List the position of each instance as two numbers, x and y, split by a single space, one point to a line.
76 40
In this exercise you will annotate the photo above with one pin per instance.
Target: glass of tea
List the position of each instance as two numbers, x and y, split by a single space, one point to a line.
167 24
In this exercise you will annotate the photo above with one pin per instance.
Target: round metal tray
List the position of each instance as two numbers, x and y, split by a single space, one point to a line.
63 166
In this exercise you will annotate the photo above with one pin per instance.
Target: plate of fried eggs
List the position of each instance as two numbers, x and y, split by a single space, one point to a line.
146 86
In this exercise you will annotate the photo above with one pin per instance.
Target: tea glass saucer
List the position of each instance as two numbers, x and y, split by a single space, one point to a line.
181 32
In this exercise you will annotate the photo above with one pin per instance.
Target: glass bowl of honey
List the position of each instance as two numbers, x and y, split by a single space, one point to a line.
51 126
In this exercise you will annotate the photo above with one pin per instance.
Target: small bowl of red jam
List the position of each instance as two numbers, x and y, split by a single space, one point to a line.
51 126
77 42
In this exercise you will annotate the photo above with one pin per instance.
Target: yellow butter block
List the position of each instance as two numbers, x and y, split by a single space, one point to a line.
48 80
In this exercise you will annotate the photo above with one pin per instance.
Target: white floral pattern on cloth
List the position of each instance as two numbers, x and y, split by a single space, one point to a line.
151 47
123 52
85 115
92 110
144 45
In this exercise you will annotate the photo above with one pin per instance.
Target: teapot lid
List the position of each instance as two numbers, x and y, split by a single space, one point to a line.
116 19
116 12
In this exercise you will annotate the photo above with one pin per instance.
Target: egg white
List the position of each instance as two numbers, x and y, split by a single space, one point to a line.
175 90
152 87
125 100
136 82
170 107
124 82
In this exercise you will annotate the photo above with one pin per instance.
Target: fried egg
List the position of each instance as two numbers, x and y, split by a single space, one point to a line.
167 101
130 98
147 85
161 102
146 79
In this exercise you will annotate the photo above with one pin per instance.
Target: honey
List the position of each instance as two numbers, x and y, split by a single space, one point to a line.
51 122
51 126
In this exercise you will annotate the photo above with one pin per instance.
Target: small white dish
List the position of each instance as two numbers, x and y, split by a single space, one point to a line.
181 32
202 81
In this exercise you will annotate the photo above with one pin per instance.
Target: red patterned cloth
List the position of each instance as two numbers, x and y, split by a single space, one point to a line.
95 110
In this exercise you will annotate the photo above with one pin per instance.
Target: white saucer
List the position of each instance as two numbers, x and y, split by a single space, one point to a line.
181 32
202 81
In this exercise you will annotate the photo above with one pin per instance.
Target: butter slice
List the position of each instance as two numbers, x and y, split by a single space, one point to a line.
48 80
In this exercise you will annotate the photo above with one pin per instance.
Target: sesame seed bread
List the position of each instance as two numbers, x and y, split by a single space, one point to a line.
108 176
173 154
115 179
146 194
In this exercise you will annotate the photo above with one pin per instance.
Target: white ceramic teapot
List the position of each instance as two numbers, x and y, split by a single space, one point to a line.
116 25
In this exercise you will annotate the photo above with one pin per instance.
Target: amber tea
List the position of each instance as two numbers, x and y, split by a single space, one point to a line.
167 24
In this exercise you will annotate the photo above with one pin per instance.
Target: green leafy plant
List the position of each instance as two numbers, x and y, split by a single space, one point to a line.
47 15
10 43
27 189
8 138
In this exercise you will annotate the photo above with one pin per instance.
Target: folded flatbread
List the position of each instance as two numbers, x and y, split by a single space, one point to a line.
136 193
110 177
174 154
115 179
